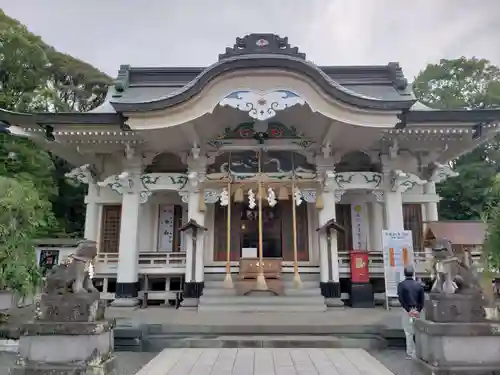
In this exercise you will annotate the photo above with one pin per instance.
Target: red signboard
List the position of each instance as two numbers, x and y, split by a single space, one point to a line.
359 266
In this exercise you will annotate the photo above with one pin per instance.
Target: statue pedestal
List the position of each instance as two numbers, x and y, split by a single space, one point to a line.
455 308
456 338
71 337
458 348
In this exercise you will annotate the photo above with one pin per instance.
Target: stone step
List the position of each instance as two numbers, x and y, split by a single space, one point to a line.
287 284
288 292
262 300
261 308
284 277
157 343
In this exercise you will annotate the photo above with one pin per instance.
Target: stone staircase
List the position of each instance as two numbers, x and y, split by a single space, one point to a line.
306 299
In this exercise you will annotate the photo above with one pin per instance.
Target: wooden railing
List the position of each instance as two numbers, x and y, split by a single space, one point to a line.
108 262
376 262
175 262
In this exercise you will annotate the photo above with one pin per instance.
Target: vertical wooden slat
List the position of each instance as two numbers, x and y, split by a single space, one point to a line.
110 225
235 231
287 229
344 240
302 233
220 240
412 219
220 232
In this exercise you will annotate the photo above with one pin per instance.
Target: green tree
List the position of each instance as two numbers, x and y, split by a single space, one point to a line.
23 216
464 83
36 77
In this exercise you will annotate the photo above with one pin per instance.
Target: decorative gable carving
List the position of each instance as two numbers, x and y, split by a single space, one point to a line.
246 130
262 44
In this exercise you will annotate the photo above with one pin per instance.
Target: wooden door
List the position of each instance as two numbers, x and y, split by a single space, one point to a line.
412 219
220 232
287 231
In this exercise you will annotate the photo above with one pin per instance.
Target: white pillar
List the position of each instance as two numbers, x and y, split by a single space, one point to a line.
431 208
91 213
376 226
126 286
329 258
324 215
394 210
195 214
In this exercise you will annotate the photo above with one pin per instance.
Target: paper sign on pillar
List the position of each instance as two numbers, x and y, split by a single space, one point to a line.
398 254
359 227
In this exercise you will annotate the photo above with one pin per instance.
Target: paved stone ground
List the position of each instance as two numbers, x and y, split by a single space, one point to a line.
346 316
248 361
395 360
130 363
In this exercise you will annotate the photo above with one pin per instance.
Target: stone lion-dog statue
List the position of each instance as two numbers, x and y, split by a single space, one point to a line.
451 273
73 275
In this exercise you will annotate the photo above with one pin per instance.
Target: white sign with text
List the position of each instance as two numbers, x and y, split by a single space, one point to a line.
398 253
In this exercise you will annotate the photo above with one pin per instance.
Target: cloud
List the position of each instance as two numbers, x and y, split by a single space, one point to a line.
331 32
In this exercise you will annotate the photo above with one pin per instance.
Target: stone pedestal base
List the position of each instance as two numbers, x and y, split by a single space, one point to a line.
106 368
189 302
361 295
66 348
455 308
125 302
394 302
193 289
81 307
331 291
458 348
334 302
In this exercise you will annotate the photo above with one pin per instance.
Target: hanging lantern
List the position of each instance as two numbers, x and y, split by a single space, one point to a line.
319 199
283 193
238 195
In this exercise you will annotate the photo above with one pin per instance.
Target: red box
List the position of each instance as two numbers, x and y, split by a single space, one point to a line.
360 272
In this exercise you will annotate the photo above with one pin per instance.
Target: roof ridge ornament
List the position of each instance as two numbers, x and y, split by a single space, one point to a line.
262 44
122 80
397 76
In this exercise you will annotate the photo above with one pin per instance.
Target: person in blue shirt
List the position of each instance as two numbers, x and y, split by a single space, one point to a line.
411 297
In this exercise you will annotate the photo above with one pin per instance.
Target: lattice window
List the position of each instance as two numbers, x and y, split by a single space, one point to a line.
110 228
412 219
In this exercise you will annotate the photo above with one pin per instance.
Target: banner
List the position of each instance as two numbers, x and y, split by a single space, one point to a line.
398 253
359 228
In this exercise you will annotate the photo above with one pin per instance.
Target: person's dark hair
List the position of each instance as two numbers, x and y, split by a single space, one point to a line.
409 272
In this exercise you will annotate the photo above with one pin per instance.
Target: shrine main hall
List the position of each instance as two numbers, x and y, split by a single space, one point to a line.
246 185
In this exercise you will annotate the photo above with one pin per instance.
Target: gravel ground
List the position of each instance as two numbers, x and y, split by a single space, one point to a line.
128 362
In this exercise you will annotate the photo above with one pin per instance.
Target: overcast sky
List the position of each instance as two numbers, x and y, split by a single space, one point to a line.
107 33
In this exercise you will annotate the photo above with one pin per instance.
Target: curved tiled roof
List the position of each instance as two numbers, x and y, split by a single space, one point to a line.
374 87
378 87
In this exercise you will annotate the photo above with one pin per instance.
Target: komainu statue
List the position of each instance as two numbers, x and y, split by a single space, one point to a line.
456 295
73 275
452 274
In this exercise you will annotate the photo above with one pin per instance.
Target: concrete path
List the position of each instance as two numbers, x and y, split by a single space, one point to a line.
264 362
